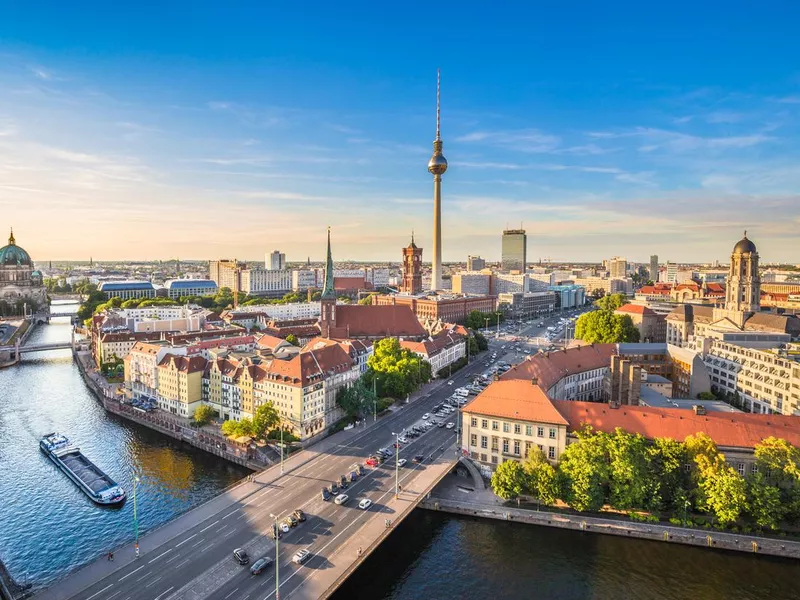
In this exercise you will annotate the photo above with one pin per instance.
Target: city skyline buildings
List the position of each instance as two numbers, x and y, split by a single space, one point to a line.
679 160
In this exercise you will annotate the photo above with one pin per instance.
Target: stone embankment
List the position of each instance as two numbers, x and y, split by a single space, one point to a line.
646 531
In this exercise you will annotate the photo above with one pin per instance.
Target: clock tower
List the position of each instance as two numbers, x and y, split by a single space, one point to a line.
412 268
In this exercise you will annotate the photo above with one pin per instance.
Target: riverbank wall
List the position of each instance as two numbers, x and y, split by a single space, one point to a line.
10 589
159 421
647 531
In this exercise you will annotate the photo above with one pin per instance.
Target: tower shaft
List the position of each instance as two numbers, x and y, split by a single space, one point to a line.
436 277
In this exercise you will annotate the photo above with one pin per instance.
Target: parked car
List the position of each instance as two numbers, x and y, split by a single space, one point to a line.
353 476
401 462
326 495
291 520
301 556
441 424
450 382
451 425
419 458
241 556
341 499
426 416
259 566
334 488
285 526
365 504
275 532
299 515
373 461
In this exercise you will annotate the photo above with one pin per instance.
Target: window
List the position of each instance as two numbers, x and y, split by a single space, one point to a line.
484 441
474 422
552 433
516 447
473 440
529 430
517 428
754 468
494 443
551 452
484 423
740 468
505 446
483 458
494 460
540 431
494 425
505 428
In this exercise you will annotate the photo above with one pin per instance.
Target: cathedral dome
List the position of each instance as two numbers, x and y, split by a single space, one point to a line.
744 246
12 255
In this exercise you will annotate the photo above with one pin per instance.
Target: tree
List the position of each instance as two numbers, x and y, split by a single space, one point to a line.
366 301
725 492
779 461
203 415
292 339
508 480
632 484
541 476
357 400
764 501
480 339
668 458
584 467
610 302
605 327
706 396
396 371
266 417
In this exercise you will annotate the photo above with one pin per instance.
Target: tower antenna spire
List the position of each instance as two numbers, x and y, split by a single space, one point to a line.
438 103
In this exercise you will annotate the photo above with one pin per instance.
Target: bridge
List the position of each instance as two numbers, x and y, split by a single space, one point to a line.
191 557
28 348
61 314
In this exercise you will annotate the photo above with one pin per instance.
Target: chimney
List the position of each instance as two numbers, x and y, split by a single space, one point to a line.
699 409
535 380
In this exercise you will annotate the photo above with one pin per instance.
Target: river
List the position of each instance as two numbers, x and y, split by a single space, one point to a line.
47 526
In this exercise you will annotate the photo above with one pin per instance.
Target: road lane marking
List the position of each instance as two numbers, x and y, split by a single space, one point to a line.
159 556
210 526
165 593
114 594
231 594
230 513
155 581
129 574
198 542
100 592
180 564
178 545
173 558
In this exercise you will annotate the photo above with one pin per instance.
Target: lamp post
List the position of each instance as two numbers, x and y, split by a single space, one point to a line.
277 543
135 518
396 466
282 449
375 397
498 324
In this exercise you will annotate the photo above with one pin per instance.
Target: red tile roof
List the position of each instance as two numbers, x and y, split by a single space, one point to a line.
185 364
353 321
516 399
550 367
732 430
636 309
349 283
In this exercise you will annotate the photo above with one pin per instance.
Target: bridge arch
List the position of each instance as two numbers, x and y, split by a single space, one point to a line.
465 463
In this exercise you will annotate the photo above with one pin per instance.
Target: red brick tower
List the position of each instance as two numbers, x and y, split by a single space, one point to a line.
412 268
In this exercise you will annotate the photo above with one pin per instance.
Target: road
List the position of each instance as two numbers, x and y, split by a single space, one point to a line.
198 563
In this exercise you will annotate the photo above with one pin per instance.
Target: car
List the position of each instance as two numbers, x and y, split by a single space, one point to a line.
292 521
326 495
275 532
403 440
450 425
426 416
343 485
299 515
419 458
241 556
285 526
301 556
365 504
401 462
341 499
353 476
397 445
359 469
259 566
334 489
450 382
440 424
372 461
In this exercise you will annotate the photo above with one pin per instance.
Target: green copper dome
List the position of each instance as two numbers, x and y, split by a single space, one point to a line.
12 255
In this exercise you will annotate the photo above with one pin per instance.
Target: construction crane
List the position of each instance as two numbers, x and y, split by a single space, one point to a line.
237 270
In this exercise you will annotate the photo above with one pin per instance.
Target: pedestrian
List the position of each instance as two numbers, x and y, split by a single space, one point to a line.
359 551
110 556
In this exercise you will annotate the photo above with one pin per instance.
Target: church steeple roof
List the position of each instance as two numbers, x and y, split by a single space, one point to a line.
11 240
328 292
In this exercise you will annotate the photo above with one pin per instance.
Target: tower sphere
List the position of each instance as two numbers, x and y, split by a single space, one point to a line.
438 164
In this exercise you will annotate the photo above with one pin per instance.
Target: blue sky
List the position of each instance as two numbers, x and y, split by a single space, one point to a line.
203 130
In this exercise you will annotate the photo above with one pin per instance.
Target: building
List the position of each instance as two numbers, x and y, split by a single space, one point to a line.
475 263
177 288
529 305
569 295
514 250
20 283
671 273
651 325
264 282
437 167
440 351
412 269
510 283
509 418
618 267
446 308
180 384
225 273
654 267
606 285
125 290
304 279
275 261
470 282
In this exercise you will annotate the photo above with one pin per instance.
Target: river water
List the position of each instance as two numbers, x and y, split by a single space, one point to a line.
47 526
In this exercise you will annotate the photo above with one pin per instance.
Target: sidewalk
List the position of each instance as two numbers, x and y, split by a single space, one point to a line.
124 555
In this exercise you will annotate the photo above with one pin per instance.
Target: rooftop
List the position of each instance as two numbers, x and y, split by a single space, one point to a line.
516 399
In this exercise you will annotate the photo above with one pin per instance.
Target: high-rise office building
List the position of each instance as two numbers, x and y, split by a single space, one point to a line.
654 267
275 261
475 263
515 250
617 267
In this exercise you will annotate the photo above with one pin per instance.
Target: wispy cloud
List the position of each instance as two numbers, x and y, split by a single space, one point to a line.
789 100
524 140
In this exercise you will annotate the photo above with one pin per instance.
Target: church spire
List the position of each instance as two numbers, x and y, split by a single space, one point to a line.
11 240
328 291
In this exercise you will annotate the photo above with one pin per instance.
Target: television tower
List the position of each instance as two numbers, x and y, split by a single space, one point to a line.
437 166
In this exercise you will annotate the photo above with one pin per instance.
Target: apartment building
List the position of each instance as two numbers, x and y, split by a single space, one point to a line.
180 384
440 351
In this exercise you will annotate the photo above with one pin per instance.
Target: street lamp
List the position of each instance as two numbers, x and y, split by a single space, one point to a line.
135 518
277 533
396 465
